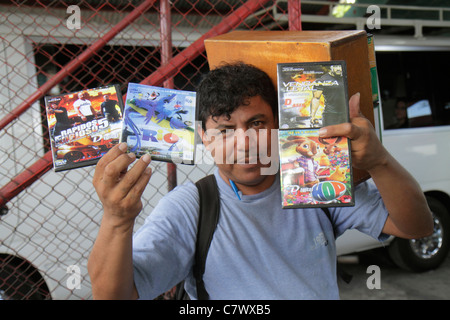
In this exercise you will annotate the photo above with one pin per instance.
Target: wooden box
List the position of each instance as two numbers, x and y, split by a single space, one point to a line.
264 49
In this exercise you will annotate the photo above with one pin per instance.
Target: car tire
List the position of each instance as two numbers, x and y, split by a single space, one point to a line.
428 253
73 156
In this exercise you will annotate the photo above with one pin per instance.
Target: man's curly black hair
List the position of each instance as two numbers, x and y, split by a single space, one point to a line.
229 86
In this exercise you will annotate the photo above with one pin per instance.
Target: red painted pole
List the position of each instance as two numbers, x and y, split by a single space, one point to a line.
166 55
25 178
295 15
180 60
75 63
31 174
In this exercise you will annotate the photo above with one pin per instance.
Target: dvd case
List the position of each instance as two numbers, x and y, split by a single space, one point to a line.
312 94
314 172
160 122
83 125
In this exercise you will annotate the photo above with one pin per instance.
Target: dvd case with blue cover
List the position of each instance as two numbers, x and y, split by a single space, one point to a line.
160 122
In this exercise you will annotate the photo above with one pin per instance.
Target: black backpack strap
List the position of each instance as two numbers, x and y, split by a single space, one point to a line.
327 212
207 222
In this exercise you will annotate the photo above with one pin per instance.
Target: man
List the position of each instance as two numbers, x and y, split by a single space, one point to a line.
83 107
109 110
61 116
259 250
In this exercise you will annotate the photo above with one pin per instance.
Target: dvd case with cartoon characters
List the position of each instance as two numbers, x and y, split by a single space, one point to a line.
83 125
160 122
314 172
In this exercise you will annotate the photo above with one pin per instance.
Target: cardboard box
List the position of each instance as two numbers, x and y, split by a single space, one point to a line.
265 49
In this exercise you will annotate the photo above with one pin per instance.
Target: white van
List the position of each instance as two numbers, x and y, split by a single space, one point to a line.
413 87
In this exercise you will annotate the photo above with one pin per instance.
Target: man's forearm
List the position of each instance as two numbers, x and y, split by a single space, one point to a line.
409 215
110 264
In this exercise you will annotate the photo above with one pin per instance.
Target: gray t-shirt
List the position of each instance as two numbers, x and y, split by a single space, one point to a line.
259 250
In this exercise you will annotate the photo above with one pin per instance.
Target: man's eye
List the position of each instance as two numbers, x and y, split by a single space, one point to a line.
257 124
227 132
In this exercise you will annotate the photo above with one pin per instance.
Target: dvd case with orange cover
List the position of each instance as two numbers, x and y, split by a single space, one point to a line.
83 125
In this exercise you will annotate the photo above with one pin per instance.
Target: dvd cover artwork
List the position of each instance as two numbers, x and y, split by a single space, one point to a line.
315 172
312 94
160 122
83 125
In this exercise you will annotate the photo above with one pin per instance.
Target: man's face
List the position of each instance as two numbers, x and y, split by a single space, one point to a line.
242 146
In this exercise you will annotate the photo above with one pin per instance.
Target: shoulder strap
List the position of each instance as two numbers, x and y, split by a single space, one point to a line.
327 212
207 222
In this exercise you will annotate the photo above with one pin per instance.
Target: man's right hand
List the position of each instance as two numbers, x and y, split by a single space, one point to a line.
119 188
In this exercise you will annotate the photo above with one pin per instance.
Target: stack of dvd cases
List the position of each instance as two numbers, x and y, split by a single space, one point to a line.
314 172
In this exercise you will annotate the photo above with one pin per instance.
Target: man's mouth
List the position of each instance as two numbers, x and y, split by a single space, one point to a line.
247 160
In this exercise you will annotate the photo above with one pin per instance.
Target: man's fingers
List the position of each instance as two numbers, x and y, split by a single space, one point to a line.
344 129
117 168
109 157
354 106
115 152
112 154
139 186
131 178
352 130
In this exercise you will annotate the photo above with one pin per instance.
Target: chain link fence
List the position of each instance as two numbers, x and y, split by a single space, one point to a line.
50 220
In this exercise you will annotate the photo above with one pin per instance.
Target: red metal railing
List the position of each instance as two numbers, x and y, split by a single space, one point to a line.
53 217
167 70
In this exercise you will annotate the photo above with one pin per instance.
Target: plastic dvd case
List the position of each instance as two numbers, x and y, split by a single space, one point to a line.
83 125
160 122
314 172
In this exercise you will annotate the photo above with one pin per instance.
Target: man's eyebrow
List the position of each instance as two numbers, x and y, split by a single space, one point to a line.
255 117
258 116
225 126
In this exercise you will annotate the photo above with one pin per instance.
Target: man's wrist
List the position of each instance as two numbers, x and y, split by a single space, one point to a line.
118 224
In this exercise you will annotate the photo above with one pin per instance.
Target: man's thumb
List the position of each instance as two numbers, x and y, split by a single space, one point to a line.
354 101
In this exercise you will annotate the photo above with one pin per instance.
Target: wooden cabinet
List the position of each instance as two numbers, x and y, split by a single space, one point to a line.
264 49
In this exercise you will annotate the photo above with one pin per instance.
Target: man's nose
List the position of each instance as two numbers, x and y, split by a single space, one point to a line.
245 140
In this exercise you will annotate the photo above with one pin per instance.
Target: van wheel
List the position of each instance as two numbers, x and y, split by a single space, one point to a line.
426 253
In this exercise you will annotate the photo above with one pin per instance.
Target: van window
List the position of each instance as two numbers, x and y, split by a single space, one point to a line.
415 88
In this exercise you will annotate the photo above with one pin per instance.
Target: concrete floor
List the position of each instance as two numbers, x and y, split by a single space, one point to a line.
395 283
